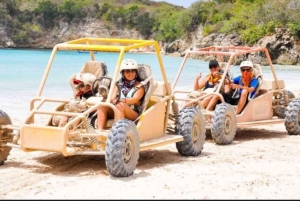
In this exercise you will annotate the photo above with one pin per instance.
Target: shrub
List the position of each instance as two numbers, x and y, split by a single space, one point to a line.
20 38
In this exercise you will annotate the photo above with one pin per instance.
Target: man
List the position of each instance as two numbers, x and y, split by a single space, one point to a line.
246 83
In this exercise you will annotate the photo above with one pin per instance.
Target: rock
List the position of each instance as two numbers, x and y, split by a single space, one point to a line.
173 47
282 46
10 43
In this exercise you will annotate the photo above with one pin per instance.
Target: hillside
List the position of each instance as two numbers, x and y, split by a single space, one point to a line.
44 23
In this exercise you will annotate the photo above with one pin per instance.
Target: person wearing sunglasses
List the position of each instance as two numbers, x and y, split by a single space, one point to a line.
82 85
209 81
246 83
126 96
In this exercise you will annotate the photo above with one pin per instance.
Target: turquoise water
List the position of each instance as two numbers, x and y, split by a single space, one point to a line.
21 71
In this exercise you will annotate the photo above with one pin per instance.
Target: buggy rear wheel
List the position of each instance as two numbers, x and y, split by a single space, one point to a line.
290 95
5 136
122 148
223 124
191 125
292 115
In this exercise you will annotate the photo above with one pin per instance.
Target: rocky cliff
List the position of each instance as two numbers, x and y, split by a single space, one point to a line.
282 46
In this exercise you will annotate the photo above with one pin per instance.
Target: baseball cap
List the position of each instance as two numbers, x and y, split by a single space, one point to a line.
213 63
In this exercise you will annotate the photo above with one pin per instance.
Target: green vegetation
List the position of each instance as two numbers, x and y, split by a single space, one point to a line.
253 19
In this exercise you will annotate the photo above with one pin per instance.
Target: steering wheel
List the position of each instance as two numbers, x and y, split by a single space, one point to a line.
103 86
119 85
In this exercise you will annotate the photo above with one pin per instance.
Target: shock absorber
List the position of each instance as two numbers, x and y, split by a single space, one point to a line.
175 109
90 129
286 98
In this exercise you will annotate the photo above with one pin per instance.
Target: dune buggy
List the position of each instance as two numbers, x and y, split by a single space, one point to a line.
271 104
122 140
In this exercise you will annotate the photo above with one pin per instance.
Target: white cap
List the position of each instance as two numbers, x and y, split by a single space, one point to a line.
129 64
246 64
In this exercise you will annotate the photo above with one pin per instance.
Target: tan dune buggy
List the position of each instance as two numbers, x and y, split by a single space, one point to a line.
271 104
123 139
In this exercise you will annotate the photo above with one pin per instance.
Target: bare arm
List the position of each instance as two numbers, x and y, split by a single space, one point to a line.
114 95
199 83
249 89
136 97
196 84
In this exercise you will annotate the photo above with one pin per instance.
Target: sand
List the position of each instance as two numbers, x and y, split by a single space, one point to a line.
261 163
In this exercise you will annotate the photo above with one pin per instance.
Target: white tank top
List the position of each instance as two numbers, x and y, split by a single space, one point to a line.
129 94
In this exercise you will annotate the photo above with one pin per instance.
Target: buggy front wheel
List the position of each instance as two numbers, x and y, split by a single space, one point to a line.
223 124
191 125
122 148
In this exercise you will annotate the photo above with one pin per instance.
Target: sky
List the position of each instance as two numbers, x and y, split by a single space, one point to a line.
184 3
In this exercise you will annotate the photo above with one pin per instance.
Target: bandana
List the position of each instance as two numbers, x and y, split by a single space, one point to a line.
246 78
127 85
213 80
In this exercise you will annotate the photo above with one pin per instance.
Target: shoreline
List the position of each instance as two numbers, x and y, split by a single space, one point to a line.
175 54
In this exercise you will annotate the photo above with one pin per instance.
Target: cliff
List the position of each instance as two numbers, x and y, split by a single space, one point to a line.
282 46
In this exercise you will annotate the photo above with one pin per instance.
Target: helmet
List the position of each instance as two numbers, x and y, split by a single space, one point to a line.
129 64
86 78
246 63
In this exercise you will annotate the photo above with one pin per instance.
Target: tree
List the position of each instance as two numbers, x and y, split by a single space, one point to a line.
70 10
168 29
49 12
11 6
145 24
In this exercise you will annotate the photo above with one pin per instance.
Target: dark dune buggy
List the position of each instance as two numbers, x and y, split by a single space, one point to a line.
122 140
271 104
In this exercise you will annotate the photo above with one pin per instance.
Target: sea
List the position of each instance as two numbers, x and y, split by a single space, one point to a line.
22 70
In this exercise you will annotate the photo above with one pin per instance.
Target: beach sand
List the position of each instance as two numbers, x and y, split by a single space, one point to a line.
261 163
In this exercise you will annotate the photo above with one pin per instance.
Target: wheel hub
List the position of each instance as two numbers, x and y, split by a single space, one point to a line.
195 133
128 150
227 125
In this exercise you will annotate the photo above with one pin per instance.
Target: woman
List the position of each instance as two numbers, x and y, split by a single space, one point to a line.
209 81
130 96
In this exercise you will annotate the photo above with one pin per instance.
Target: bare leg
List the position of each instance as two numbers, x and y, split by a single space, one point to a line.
242 101
213 101
102 117
205 101
126 111
63 121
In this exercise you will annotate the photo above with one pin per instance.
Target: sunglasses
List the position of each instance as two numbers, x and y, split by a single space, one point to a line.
80 85
130 70
77 82
245 69
213 66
